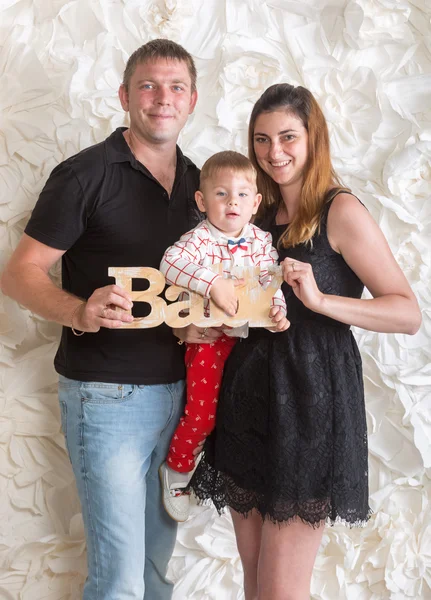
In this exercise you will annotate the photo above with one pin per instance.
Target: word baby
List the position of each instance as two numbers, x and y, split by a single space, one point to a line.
253 299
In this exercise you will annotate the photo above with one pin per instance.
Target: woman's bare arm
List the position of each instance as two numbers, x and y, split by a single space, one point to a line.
353 232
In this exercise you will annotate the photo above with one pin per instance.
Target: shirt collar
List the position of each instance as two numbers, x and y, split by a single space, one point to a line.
117 151
224 237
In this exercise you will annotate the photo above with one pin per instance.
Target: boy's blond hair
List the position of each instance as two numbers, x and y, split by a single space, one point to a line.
229 160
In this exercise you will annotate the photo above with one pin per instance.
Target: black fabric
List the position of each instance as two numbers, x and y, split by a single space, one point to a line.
291 438
106 209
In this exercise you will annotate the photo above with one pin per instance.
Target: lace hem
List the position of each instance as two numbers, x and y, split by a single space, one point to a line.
210 485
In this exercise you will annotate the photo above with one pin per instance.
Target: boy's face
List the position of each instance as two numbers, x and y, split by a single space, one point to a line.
230 199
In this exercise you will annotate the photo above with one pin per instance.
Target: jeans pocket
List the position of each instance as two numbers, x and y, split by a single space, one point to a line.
95 392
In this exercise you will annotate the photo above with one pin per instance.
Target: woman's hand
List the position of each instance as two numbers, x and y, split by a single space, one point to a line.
300 277
196 335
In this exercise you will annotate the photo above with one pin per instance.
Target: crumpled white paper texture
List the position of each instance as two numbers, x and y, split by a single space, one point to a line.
369 64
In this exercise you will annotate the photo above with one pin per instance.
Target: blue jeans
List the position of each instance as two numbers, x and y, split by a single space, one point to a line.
117 436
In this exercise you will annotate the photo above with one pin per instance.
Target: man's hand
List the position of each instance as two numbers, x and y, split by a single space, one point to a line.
223 294
99 310
197 335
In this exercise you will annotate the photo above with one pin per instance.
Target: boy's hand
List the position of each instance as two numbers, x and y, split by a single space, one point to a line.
279 319
223 294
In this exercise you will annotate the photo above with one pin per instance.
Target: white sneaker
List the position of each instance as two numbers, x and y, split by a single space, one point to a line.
175 500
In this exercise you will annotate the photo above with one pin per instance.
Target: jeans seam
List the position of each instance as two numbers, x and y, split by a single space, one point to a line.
120 400
63 408
87 495
169 386
88 385
172 408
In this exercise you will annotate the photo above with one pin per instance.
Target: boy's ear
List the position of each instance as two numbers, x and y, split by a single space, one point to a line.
199 197
257 201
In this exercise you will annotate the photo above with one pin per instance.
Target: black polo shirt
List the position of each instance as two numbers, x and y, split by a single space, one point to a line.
106 209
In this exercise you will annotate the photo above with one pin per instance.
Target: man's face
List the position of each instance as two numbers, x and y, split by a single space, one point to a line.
159 99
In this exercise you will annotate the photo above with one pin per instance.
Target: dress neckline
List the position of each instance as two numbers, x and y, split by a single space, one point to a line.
284 225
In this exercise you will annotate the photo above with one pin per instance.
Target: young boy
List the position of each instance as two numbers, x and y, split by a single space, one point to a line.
228 195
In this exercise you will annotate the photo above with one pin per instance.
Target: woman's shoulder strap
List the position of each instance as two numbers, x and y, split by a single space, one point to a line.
332 194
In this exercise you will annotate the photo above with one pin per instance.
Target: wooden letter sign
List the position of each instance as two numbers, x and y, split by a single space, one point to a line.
254 300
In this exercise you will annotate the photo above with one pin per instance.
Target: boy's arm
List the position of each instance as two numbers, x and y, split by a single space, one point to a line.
181 264
279 301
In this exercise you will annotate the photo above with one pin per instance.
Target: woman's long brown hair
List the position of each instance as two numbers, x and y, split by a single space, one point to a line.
321 182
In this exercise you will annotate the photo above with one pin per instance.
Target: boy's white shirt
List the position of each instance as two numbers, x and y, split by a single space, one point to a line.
185 263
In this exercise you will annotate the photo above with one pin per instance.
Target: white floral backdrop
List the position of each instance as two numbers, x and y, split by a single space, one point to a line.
369 64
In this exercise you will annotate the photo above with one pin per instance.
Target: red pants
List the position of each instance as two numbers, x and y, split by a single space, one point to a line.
205 363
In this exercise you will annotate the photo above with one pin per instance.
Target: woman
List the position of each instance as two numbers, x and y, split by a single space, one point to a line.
290 446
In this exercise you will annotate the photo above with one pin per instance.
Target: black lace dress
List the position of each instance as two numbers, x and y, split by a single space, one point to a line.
291 438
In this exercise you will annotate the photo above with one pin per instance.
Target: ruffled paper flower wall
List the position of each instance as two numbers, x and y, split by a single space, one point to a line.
369 64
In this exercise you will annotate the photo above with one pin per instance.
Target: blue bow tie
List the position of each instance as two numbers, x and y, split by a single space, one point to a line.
242 243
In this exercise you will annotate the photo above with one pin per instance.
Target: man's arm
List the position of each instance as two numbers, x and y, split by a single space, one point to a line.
26 280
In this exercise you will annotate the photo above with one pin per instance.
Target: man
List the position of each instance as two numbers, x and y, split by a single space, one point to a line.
119 203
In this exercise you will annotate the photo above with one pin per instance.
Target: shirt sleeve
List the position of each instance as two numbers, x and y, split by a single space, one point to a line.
59 217
279 300
267 255
181 264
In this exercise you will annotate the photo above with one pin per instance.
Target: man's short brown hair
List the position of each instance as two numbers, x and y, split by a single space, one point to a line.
229 160
159 48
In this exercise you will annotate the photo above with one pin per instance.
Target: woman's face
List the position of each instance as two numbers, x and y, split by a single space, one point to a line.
281 146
